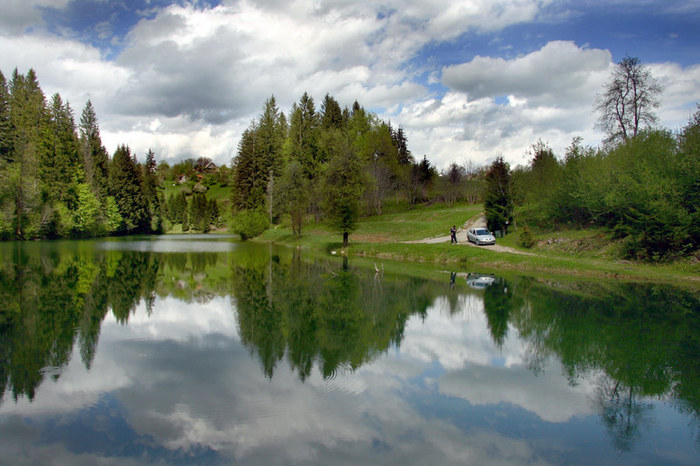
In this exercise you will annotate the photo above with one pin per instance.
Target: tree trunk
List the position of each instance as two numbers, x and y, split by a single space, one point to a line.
345 239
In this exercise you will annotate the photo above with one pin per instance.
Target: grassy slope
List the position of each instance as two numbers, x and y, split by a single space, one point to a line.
575 253
215 191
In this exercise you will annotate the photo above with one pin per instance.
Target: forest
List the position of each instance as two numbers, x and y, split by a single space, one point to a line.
334 164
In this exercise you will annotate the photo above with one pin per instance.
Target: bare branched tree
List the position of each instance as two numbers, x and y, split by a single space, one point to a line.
628 100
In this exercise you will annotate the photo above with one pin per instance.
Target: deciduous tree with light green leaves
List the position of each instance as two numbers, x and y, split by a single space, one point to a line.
293 195
344 185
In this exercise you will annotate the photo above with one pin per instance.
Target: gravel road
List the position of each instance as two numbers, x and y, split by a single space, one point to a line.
475 222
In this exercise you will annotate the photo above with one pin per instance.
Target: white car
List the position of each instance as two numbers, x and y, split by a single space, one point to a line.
480 236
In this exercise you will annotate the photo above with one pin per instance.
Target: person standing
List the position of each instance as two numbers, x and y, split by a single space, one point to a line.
453 235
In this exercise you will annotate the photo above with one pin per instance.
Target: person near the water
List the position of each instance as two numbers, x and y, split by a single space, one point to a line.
453 235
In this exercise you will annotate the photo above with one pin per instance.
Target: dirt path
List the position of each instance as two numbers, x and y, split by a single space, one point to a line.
474 222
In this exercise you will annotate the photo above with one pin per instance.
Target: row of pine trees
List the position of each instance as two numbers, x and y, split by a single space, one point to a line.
56 177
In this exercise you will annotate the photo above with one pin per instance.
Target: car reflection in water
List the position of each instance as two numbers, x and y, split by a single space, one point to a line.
480 281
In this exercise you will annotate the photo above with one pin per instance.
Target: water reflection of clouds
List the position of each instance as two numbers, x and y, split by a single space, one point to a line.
184 381
461 344
173 244
457 339
174 319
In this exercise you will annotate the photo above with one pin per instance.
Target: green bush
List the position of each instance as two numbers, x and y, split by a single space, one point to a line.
250 223
525 238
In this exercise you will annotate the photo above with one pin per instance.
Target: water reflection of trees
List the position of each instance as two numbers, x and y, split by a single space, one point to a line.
322 313
636 341
54 294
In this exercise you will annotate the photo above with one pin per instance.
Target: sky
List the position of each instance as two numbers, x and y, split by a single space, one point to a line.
468 81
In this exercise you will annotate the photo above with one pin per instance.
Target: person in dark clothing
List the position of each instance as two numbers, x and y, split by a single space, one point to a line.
453 235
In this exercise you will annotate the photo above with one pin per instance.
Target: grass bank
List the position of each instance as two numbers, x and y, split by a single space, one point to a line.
575 253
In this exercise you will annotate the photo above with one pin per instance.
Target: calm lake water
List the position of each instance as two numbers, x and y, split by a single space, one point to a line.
202 350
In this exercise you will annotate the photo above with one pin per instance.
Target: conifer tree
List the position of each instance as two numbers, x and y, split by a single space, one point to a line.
403 155
331 114
5 123
303 136
60 170
259 158
185 221
498 200
126 186
249 177
271 132
28 121
150 191
213 212
199 213
94 154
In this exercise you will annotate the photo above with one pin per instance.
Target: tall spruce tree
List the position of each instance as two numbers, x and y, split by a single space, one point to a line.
249 175
331 114
150 191
29 124
60 170
199 213
271 131
95 157
126 186
498 199
5 123
403 155
259 158
303 136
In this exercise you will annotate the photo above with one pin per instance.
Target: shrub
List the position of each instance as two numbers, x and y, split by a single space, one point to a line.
250 223
525 238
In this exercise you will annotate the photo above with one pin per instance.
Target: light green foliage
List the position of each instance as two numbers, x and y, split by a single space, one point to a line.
111 217
250 223
53 182
539 185
644 189
293 194
344 183
87 212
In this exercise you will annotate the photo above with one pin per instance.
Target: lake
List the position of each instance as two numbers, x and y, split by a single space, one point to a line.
203 350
